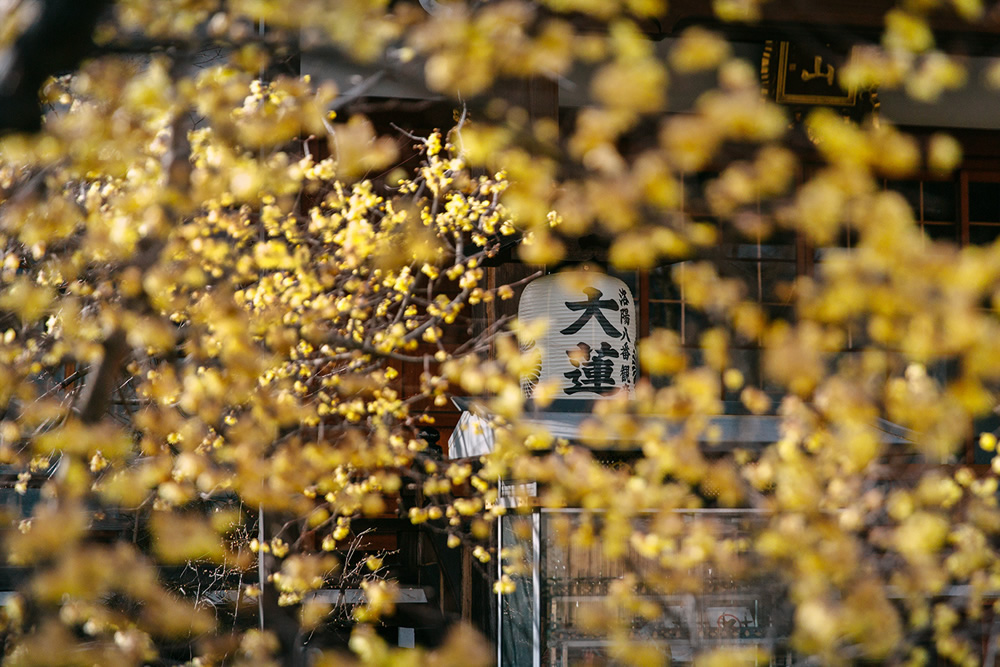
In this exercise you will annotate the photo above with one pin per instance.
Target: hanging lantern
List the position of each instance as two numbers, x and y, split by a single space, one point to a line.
588 347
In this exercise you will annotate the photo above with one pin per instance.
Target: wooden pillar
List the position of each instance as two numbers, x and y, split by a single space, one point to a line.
466 602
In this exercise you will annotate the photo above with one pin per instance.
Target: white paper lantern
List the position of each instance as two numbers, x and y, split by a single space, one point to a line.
589 345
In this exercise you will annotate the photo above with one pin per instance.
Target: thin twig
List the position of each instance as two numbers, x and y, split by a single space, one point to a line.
414 137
